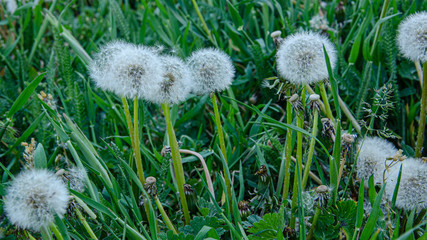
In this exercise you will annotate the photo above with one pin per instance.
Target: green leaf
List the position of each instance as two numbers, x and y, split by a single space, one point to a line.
40 160
373 217
25 95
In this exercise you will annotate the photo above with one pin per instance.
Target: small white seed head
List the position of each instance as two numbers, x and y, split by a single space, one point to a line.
412 37
276 34
212 70
301 59
314 97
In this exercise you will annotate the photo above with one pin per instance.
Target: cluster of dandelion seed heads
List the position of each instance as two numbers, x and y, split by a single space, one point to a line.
412 37
301 59
126 69
176 83
373 154
33 199
212 70
412 192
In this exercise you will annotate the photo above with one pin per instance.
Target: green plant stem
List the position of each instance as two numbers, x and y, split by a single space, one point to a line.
85 224
422 126
46 234
204 25
377 33
55 231
311 148
177 162
326 101
313 224
164 215
288 148
221 143
137 150
129 122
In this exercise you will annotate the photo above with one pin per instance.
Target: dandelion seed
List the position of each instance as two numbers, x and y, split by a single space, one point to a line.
176 83
212 70
77 177
412 191
11 5
373 154
301 60
33 199
127 70
412 37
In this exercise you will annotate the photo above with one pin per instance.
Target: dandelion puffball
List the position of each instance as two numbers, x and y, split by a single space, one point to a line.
212 70
373 154
126 69
176 83
412 192
33 199
412 37
301 60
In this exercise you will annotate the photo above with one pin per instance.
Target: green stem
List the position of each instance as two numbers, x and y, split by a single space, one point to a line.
288 148
300 124
377 33
137 150
129 122
326 101
85 224
55 231
221 143
314 223
204 25
164 215
422 126
177 162
311 148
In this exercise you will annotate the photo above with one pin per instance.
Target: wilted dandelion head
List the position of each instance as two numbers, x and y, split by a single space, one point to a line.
176 83
373 154
412 192
301 60
412 37
212 70
127 70
33 199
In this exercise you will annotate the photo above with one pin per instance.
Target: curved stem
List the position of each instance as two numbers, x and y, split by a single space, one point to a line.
311 148
313 225
326 101
164 215
422 126
288 148
85 224
129 122
177 162
137 150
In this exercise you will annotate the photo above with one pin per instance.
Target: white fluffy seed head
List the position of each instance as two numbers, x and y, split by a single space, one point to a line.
373 154
176 83
412 192
127 70
33 199
212 70
301 59
77 177
412 37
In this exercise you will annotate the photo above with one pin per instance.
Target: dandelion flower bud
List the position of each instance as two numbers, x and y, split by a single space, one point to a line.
33 199
412 191
176 83
150 186
301 60
412 37
373 154
212 70
127 70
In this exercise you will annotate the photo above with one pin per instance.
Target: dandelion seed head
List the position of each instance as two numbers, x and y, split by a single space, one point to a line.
176 83
77 177
212 70
127 70
412 37
33 199
412 191
301 60
373 154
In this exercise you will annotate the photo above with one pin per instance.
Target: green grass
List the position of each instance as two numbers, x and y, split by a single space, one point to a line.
47 47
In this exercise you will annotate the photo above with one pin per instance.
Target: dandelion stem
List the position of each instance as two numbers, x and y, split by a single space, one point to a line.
85 224
326 101
311 148
221 143
137 150
422 126
177 162
128 121
204 25
419 72
288 148
313 225
55 231
164 215
377 33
